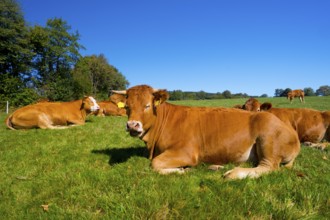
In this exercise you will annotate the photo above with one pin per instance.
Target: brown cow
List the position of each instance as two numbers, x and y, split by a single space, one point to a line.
178 136
296 93
312 126
115 106
52 115
251 104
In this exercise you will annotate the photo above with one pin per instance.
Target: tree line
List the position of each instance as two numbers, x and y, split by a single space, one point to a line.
181 95
44 62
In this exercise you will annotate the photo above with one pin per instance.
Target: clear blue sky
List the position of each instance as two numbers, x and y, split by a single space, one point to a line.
248 46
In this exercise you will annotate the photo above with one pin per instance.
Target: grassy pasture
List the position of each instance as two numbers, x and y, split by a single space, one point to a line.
97 171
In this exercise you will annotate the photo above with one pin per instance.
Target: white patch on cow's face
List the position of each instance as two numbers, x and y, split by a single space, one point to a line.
95 106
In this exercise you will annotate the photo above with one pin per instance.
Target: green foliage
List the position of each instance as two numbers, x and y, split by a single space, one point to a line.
97 171
309 91
95 76
57 51
13 89
201 95
323 90
15 51
227 94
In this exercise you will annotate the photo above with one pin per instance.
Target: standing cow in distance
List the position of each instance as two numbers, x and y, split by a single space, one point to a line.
179 136
52 115
296 93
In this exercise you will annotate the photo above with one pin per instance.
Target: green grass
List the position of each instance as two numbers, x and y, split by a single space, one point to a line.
97 171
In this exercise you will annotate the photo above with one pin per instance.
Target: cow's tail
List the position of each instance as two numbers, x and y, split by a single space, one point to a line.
8 122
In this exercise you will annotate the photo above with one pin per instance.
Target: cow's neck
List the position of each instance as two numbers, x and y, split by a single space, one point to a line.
79 104
152 135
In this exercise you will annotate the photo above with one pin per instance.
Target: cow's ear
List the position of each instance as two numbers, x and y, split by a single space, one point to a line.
265 106
160 96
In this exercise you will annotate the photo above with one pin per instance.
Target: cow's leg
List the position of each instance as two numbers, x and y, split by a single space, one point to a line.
44 122
215 167
321 146
241 173
272 151
173 161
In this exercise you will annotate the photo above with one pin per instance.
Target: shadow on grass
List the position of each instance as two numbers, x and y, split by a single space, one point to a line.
121 155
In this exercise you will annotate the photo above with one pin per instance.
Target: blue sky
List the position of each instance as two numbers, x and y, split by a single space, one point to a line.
248 46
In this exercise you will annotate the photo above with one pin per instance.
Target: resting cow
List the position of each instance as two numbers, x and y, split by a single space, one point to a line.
115 106
251 104
108 108
178 136
52 115
296 93
312 126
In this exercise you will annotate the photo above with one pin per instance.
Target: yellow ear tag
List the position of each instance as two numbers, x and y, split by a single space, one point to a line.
121 105
157 102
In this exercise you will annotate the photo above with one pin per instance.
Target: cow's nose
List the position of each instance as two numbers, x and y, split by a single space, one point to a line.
134 125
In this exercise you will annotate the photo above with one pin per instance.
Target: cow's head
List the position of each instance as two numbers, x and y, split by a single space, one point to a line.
254 105
118 99
141 104
89 104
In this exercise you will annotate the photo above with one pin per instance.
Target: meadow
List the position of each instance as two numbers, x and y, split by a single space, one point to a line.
97 171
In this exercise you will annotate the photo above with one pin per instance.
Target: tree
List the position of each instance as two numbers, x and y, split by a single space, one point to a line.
176 95
15 53
201 95
309 91
285 92
14 90
278 92
227 94
56 52
323 90
95 76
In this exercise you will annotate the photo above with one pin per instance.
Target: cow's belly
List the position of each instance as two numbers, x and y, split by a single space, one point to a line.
228 155
248 155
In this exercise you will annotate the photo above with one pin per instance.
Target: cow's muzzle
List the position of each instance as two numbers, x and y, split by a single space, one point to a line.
95 108
134 128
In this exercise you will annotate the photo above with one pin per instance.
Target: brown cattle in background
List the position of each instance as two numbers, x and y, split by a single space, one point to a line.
312 126
296 93
52 115
178 136
114 107
251 104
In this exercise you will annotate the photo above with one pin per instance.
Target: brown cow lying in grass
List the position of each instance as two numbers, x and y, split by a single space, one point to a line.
115 106
52 115
312 126
178 136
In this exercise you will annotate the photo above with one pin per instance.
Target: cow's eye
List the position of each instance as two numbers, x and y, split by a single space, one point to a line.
147 106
